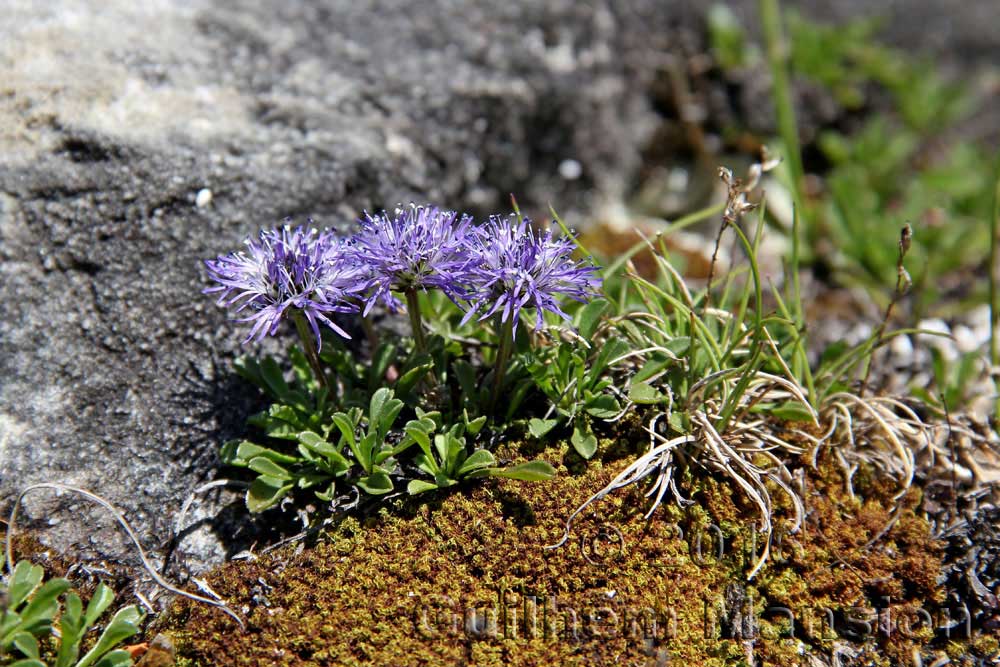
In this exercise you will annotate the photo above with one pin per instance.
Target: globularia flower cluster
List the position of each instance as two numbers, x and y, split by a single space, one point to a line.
498 268
284 272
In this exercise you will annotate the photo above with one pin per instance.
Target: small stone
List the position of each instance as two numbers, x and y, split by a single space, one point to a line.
902 351
203 198
570 170
965 339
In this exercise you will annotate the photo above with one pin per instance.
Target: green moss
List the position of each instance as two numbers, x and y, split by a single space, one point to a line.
467 579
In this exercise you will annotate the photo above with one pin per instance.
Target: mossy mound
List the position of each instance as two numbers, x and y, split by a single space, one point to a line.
466 579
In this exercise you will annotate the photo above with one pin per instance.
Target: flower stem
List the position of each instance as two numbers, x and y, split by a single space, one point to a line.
370 333
503 356
413 308
310 349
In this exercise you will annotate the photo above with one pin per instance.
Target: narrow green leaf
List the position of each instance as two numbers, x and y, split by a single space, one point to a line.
313 442
118 658
389 413
28 662
247 368
790 411
43 605
272 375
246 451
383 357
268 467
26 644
652 367
532 471
409 379
419 434
590 317
122 626
72 616
346 427
72 624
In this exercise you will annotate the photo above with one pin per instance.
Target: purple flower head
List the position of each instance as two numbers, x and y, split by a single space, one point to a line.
418 247
514 267
285 271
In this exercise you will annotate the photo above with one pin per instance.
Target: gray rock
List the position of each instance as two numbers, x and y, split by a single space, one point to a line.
137 139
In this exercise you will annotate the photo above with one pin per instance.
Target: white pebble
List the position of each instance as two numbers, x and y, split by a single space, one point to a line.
902 350
203 198
965 339
943 343
570 170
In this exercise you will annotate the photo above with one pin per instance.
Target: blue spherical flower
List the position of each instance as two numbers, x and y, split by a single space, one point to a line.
418 247
513 267
285 271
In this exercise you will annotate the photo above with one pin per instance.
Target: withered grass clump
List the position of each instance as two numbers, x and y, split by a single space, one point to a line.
467 580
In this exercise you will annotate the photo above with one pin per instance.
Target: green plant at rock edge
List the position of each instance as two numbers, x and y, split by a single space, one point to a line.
30 612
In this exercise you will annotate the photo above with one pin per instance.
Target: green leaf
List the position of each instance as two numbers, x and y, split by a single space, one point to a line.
28 662
25 579
466 375
583 439
409 379
265 492
26 644
247 368
539 428
644 393
476 425
317 444
43 605
346 427
382 359
246 451
272 375
376 484
268 467
612 349
678 422
532 471
517 396
119 658
590 317
72 624
604 406
389 413
378 404
679 346
650 368
122 626
419 486
419 432
790 411
478 459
